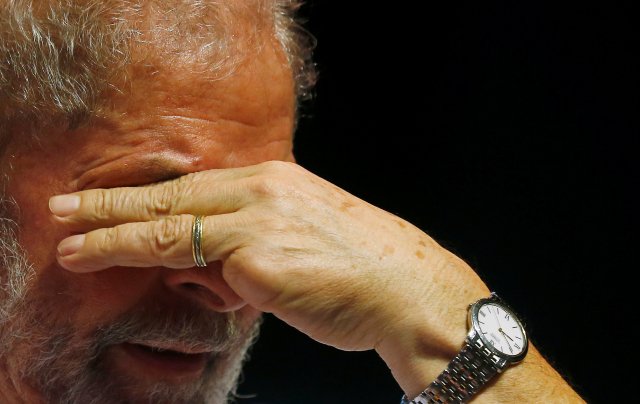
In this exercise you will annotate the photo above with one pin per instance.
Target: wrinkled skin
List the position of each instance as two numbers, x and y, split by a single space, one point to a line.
172 124
289 243
277 237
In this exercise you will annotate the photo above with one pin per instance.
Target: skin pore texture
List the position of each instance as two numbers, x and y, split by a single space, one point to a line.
172 124
109 266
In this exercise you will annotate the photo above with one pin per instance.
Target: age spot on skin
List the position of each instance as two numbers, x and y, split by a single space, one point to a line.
420 254
346 206
422 243
388 250
401 224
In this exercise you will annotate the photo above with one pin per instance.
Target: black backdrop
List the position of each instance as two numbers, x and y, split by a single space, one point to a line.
508 132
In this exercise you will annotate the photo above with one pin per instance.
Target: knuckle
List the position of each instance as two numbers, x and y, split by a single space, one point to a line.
245 261
249 264
109 239
274 166
164 198
266 186
166 233
104 204
274 188
282 168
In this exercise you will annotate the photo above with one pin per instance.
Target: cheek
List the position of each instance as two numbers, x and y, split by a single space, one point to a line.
39 237
107 294
89 298
31 187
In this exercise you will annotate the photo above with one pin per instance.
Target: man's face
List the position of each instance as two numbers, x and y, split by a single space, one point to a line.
84 337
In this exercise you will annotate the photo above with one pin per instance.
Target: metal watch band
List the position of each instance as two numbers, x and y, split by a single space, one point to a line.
467 373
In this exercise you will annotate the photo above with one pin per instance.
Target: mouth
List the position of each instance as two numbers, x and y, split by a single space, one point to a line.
168 361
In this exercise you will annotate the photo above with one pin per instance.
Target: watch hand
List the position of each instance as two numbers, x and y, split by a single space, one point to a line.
497 319
506 335
508 344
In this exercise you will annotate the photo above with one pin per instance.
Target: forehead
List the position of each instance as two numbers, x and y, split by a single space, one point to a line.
172 118
190 53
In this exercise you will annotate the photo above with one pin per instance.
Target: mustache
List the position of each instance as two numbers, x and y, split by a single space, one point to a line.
191 327
64 355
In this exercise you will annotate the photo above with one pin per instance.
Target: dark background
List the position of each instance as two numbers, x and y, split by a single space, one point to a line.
508 132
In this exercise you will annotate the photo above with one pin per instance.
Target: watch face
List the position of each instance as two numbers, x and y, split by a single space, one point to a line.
501 329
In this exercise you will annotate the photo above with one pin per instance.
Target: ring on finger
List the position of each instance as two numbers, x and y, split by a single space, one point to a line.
196 242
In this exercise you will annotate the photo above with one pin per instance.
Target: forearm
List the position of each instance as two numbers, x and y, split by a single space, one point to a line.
420 350
531 381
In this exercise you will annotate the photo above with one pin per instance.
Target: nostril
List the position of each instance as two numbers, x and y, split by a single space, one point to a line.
190 286
203 292
206 287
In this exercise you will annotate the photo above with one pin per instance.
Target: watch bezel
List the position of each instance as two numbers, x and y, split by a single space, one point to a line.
475 328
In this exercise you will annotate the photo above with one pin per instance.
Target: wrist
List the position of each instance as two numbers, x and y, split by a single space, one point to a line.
419 355
430 331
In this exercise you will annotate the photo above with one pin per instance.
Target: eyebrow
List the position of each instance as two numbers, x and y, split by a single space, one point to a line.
135 172
159 169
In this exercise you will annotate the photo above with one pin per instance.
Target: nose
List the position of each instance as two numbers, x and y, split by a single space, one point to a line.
205 286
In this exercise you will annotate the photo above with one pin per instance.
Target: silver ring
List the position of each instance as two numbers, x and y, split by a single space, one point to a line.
196 242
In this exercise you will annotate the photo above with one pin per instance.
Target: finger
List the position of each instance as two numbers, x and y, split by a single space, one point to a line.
165 242
202 193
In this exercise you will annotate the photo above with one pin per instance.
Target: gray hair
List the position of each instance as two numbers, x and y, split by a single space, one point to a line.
59 59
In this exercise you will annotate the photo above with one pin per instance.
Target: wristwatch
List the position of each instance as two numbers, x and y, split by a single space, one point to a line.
496 340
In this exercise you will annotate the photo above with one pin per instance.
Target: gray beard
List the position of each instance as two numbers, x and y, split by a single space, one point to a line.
50 355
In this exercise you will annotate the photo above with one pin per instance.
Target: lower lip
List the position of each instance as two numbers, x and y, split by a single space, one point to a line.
167 364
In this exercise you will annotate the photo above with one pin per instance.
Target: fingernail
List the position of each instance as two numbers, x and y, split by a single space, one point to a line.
64 205
71 245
